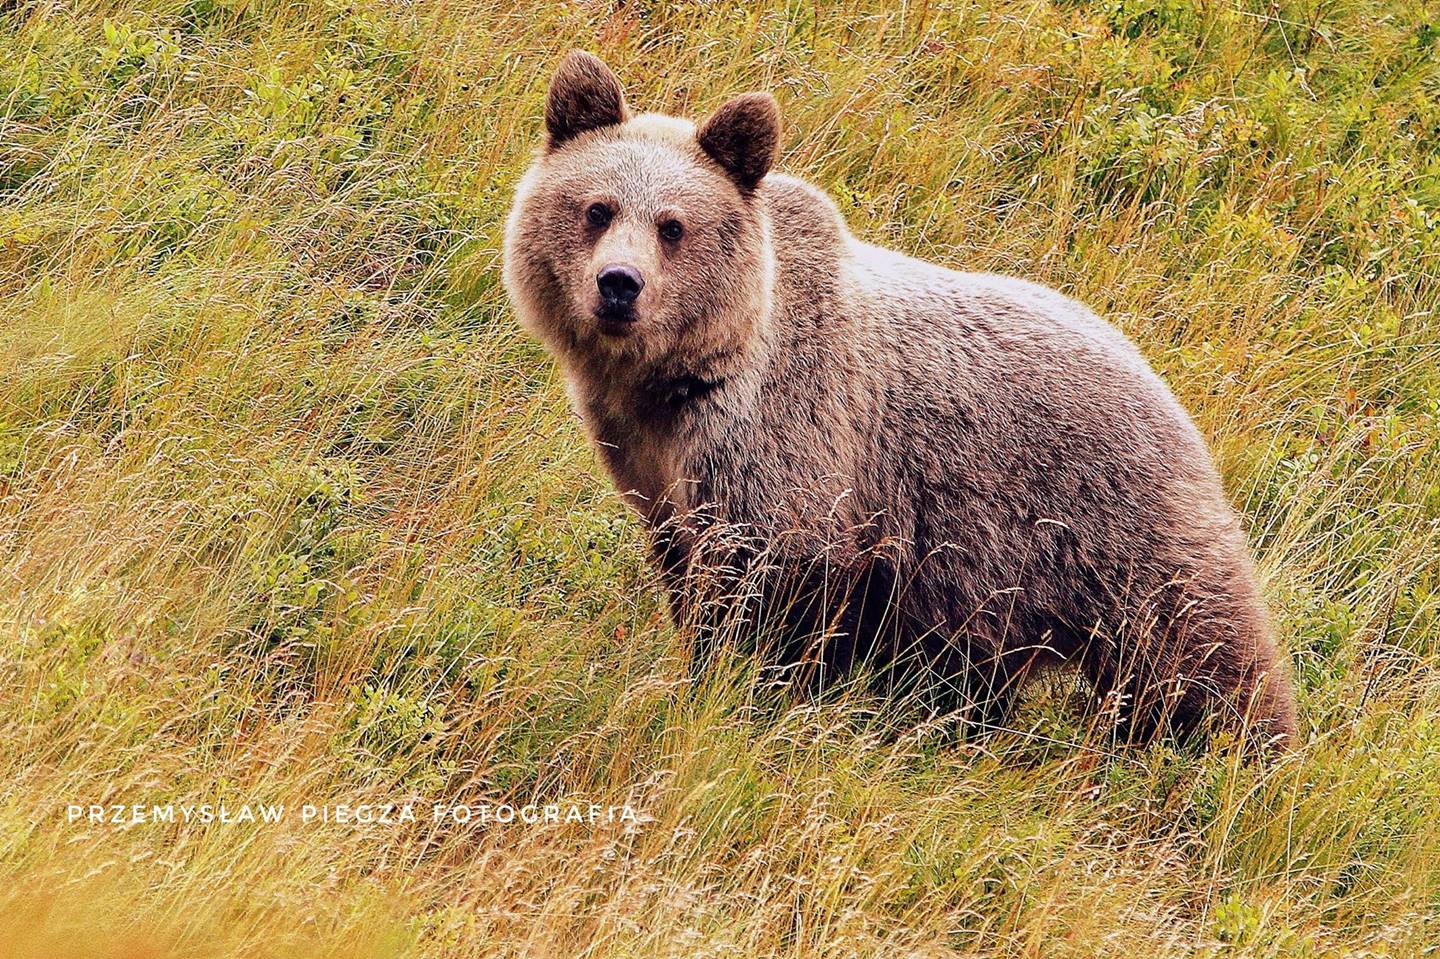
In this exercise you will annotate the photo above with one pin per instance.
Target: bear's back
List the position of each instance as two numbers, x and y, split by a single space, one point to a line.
823 268
980 405
928 344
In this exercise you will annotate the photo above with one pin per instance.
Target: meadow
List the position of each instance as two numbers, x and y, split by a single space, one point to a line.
292 512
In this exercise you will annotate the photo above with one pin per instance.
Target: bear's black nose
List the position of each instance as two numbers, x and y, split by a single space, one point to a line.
619 284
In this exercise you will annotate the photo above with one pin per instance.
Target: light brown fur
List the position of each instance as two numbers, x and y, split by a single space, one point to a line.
966 476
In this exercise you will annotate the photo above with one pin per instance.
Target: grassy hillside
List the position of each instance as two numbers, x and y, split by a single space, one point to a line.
290 511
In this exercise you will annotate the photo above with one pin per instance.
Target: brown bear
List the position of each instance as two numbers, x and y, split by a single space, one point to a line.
957 476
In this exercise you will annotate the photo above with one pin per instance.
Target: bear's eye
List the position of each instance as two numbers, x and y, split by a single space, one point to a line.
671 230
598 215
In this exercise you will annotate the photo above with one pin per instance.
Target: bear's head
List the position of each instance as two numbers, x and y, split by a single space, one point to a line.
642 237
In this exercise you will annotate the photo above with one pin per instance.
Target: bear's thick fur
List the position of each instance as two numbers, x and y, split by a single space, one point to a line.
967 475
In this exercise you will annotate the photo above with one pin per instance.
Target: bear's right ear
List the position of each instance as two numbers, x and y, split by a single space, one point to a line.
584 95
743 137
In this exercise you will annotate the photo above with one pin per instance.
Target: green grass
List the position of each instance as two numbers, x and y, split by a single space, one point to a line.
291 511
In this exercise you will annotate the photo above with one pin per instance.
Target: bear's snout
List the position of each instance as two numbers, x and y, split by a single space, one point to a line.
620 285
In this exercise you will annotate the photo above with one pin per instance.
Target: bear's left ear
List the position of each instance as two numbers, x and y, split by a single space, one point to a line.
743 137
584 95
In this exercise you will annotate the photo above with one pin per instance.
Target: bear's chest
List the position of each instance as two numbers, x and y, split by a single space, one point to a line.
643 470
642 456
650 435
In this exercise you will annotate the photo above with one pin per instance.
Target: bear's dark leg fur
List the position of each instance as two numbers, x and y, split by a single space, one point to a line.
1195 659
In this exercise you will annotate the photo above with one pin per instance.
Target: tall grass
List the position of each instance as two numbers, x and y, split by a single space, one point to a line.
290 511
